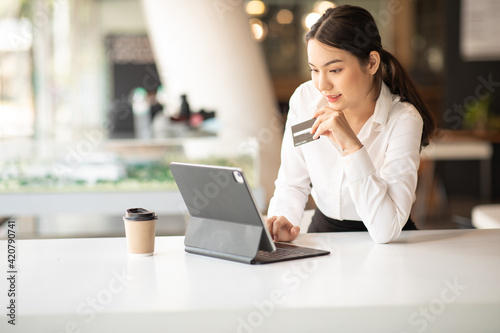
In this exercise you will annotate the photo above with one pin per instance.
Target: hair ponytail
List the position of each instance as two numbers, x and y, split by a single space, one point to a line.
400 83
353 29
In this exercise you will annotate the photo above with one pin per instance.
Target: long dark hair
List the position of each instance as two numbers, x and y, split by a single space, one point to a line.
353 29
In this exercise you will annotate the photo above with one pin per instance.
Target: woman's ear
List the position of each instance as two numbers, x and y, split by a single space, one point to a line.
374 62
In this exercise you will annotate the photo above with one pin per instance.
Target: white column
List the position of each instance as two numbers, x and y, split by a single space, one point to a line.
204 49
42 57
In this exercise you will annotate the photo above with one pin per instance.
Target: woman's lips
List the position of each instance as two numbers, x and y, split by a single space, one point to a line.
333 98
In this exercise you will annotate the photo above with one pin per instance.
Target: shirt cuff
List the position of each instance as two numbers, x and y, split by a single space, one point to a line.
358 165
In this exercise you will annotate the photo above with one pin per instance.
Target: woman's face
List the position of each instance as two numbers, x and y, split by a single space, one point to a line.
339 76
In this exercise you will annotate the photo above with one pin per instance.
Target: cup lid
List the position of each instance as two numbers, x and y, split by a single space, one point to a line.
139 214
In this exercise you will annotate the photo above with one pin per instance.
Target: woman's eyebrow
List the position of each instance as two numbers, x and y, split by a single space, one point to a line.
329 62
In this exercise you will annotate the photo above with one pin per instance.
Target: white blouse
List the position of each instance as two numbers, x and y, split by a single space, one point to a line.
375 185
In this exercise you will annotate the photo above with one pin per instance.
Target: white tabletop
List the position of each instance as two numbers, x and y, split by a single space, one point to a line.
486 216
458 150
426 281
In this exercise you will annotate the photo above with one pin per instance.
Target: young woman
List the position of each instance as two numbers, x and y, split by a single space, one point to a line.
372 124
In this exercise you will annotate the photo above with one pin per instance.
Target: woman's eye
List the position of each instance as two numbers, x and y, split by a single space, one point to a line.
336 70
313 70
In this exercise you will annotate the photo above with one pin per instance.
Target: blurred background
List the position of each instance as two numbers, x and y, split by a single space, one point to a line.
97 97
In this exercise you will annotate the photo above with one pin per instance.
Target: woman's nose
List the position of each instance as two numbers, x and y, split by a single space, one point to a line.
324 84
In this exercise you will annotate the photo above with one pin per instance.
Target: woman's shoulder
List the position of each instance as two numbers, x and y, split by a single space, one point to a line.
402 110
391 110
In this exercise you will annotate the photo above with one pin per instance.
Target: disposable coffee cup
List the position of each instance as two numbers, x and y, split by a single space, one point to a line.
140 226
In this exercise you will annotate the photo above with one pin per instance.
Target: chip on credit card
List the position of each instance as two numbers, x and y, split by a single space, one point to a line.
301 132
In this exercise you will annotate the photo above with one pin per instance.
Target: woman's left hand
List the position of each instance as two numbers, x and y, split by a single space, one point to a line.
334 125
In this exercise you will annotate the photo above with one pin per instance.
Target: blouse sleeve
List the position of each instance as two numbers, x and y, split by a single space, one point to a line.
383 198
293 182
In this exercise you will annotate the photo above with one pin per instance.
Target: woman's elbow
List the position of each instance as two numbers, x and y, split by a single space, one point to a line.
384 237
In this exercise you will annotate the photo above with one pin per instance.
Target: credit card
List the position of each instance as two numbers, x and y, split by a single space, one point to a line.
301 132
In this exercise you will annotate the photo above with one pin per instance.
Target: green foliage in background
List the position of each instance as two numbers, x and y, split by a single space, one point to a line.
140 176
478 116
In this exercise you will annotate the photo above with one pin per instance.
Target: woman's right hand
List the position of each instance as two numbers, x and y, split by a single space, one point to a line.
281 229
